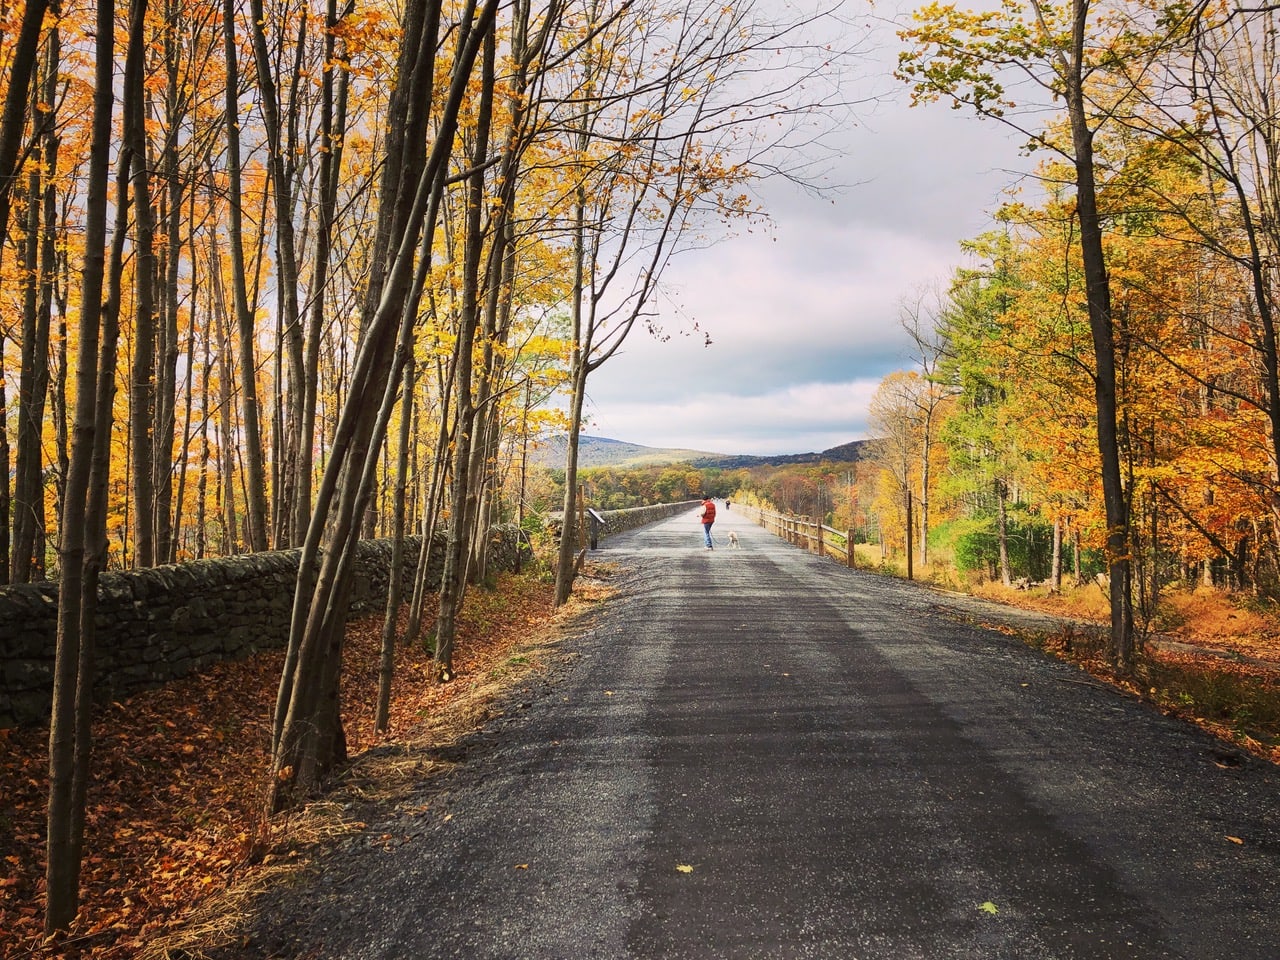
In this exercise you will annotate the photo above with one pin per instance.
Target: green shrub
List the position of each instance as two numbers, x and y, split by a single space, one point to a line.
975 546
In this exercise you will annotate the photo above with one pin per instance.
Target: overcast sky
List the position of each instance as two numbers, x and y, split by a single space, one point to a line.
804 317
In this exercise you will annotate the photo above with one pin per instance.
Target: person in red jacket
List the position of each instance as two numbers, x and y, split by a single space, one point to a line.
708 516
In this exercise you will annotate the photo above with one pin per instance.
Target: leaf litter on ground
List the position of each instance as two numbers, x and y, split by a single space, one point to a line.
175 838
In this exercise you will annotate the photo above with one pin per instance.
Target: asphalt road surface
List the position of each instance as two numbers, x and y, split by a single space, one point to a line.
754 753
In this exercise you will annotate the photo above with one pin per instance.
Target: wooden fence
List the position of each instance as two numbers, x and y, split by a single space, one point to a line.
803 532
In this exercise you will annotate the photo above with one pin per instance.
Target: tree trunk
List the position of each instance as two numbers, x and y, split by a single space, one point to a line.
33 378
924 497
565 564
386 672
431 513
1002 532
333 120
168 521
279 164
1098 295
184 451
61 415
22 67
578 370
911 530
202 478
142 379
251 421
78 544
5 502
462 492
1055 567
226 490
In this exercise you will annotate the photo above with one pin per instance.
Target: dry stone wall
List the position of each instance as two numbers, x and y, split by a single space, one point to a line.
616 521
160 624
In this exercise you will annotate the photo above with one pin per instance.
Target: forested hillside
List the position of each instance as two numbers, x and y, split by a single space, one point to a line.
603 452
616 475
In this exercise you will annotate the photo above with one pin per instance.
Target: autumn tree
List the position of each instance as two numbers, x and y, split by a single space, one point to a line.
898 428
307 732
960 56
997 358
1209 105
82 545
921 317
509 120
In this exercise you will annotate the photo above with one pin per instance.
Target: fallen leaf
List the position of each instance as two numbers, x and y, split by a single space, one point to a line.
522 866
149 833
990 908
1235 839
684 868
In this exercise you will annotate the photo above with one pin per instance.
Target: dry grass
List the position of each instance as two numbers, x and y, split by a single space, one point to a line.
1204 617
1086 602
1208 616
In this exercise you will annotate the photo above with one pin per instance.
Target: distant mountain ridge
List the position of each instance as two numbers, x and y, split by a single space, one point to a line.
603 452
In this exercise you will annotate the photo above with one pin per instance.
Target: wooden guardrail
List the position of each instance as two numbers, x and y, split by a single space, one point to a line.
804 532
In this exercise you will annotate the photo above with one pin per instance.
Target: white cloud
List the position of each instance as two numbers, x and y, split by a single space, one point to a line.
799 418
804 318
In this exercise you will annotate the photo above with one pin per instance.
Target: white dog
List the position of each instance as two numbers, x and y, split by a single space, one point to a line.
733 538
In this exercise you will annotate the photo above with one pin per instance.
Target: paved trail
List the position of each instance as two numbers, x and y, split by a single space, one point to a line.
850 770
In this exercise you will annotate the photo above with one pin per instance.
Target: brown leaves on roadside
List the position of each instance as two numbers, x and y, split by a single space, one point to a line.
174 808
